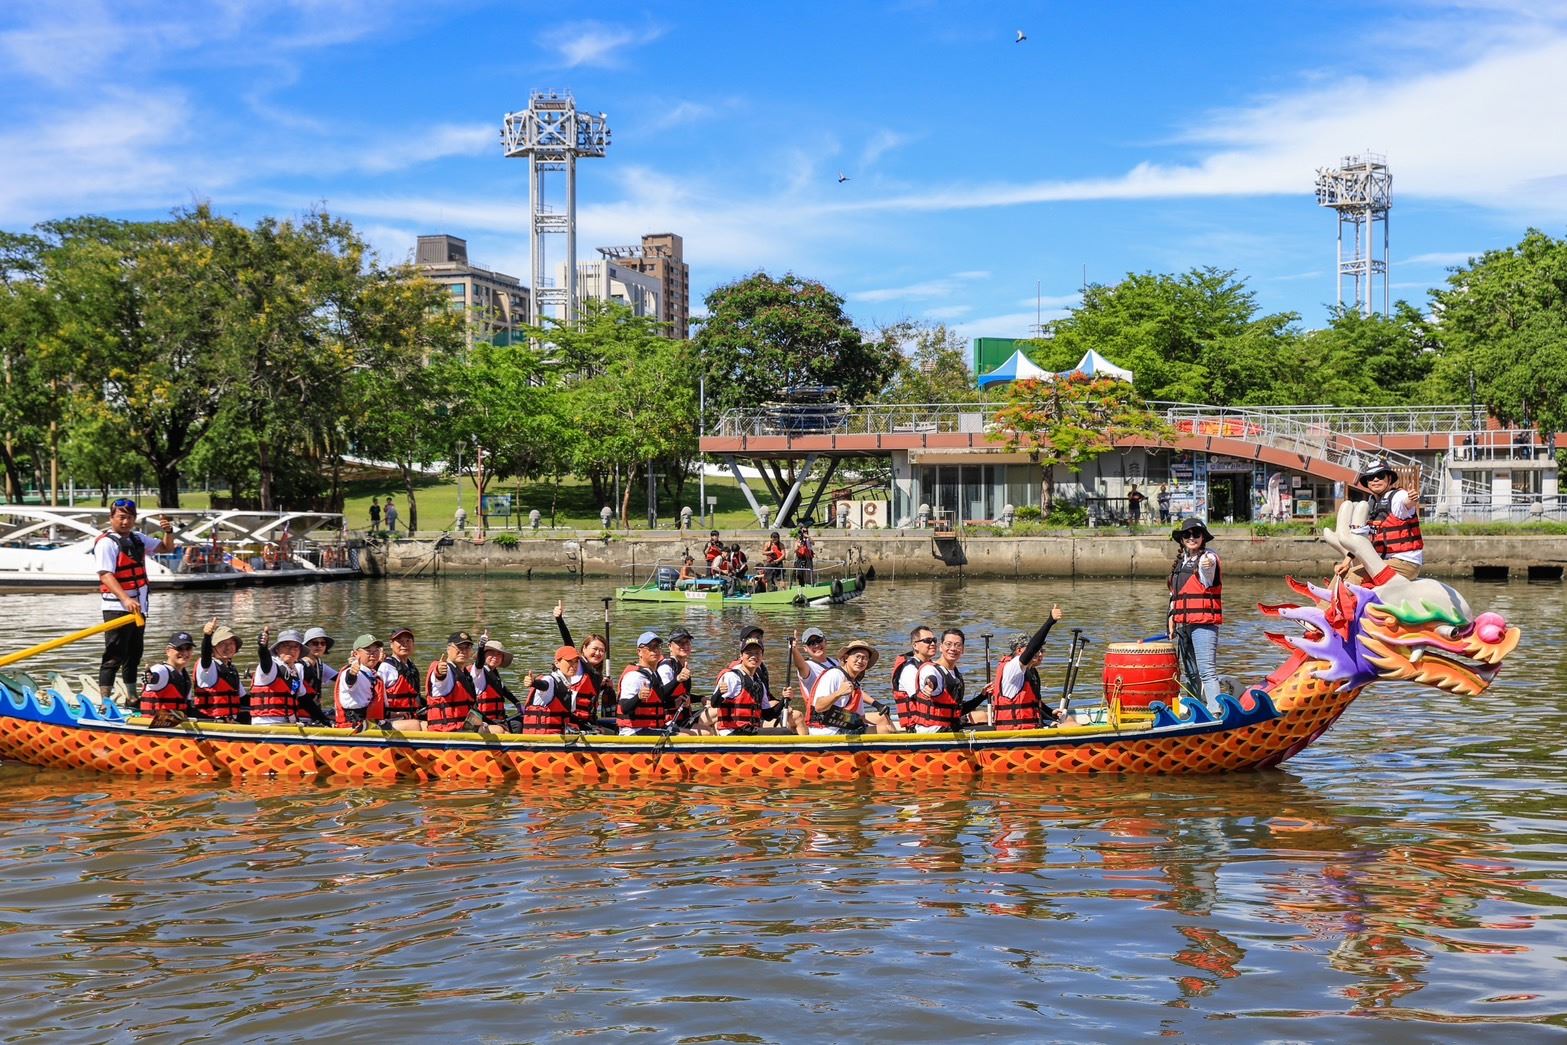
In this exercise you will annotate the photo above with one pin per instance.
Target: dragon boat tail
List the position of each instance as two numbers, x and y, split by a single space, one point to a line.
1416 631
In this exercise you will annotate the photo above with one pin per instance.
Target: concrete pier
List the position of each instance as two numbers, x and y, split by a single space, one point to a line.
1082 553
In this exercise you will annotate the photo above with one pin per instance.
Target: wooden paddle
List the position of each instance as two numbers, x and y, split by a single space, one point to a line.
75 636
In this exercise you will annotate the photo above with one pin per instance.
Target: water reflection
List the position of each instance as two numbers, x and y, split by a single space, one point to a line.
1406 869
729 907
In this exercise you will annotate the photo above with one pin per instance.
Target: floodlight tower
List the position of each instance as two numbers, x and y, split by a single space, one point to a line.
1360 189
551 134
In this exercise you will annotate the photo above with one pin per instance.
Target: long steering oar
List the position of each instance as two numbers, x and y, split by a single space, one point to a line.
75 636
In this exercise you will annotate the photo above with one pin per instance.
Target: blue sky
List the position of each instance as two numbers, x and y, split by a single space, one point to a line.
985 176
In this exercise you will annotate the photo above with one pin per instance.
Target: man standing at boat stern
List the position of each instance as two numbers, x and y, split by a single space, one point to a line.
121 551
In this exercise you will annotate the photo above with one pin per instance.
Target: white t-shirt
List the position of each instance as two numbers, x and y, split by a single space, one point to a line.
360 692
440 687
814 670
107 550
557 687
1012 677
157 677
833 679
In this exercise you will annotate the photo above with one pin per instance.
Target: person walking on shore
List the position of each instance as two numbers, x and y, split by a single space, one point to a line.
375 514
391 517
121 551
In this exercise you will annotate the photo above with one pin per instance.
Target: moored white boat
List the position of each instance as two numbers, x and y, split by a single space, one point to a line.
50 547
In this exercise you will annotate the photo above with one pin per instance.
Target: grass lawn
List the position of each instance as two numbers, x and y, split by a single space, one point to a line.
575 507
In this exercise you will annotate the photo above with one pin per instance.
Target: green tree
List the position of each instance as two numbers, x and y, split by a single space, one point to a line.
1177 334
1069 421
933 366
1503 319
138 306
762 335
629 398
30 376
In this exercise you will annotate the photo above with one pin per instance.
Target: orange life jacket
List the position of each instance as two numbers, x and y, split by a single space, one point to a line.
1190 602
1389 533
944 710
906 719
1021 711
745 711
445 714
489 700
856 699
375 711
402 696
173 695
223 700
130 564
276 698
648 713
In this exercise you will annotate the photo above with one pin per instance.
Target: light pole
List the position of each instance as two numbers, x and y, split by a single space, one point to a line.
701 429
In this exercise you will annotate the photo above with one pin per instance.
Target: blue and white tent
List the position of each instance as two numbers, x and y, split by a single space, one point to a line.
1095 365
1018 367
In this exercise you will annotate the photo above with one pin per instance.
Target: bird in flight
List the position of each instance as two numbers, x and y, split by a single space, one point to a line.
1021 36
842 177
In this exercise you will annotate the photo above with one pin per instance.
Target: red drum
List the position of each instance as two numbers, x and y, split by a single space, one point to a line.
1143 672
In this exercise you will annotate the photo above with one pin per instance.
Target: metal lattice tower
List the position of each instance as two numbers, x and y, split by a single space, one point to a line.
1360 189
551 133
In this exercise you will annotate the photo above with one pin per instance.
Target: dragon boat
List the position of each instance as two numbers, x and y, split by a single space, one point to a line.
1349 636
664 585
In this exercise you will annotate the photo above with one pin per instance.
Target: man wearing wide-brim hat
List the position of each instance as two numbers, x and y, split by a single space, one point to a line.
837 703
1389 518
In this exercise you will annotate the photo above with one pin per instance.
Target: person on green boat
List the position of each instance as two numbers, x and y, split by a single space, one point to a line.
773 556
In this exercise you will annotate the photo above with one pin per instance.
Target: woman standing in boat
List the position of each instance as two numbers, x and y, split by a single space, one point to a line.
1196 608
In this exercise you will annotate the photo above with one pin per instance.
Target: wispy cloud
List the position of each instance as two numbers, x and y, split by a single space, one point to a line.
930 288
879 144
595 43
1440 257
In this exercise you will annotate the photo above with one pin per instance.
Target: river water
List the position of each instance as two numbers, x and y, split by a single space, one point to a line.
1401 880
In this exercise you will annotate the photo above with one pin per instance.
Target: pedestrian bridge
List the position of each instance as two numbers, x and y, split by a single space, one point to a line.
1439 447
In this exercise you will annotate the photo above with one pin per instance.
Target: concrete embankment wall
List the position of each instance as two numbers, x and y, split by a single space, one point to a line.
1083 553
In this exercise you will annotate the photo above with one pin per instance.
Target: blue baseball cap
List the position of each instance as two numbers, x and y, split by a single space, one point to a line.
649 638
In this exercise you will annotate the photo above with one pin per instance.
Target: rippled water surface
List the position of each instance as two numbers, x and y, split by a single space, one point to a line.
1402 880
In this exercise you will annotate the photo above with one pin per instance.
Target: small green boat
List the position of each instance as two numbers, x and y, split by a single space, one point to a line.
665 586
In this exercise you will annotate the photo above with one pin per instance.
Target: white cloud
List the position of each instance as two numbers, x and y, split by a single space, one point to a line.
1051 301
1444 258
948 312
1011 324
931 288
879 144
1471 133
595 43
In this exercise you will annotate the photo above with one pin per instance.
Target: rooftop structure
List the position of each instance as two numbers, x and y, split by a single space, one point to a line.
496 304
551 134
1360 190
661 256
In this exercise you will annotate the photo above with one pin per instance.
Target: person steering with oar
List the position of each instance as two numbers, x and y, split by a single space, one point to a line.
121 551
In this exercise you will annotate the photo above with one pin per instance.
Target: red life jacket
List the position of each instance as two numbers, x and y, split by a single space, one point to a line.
944 710
552 717
713 551
222 700
773 555
310 679
274 699
649 710
402 696
803 551
130 565
856 699
721 564
375 711
1016 712
906 719
745 711
446 714
489 701
1190 602
173 695
587 689
1389 533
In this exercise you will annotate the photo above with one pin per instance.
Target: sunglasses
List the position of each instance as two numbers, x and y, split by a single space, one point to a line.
1190 535
929 638
125 503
